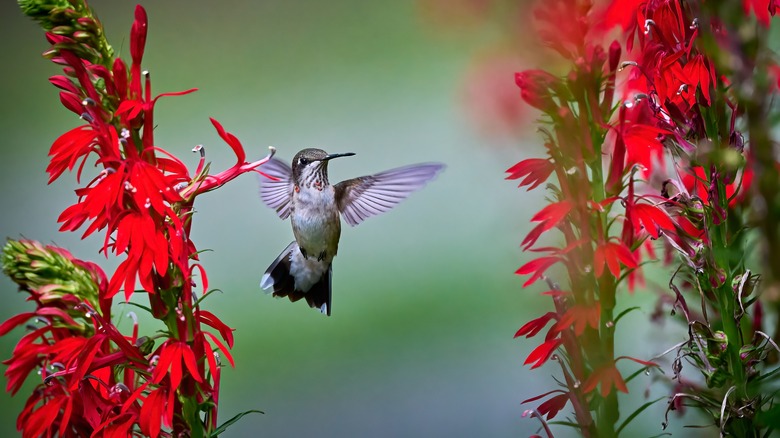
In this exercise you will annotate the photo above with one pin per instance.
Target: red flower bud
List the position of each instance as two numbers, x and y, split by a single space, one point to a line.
614 55
536 88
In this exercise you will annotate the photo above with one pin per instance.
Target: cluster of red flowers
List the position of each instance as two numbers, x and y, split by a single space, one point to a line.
669 85
95 380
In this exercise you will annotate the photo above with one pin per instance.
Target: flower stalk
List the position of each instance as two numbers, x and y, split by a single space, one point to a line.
616 196
94 379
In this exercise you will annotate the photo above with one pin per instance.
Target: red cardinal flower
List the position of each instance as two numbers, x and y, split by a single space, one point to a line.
612 254
542 353
549 217
552 405
651 218
535 170
607 376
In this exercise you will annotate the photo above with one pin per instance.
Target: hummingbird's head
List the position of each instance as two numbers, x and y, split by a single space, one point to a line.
311 165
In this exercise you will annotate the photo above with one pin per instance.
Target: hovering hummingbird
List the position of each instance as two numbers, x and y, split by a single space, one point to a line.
315 207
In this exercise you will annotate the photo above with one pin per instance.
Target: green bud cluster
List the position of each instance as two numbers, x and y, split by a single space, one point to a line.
72 19
48 271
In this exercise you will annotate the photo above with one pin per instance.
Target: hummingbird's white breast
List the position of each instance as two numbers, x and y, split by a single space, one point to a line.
316 222
317 228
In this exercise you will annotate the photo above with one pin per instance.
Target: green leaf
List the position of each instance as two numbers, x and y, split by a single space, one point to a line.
640 371
140 306
623 313
230 422
637 412
207 294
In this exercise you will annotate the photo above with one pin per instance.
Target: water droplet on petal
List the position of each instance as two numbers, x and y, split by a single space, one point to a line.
148 203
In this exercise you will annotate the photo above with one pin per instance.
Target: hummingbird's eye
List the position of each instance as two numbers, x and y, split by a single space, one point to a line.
303 160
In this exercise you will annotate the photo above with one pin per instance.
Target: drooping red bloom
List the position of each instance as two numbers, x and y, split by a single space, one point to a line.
535 170
537 267
537 89
762 8
534 326
612 254
541 354
579 316
695 180
607 377
651 218
552 405
549 217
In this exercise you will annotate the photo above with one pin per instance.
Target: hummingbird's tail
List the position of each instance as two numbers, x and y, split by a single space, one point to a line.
278 275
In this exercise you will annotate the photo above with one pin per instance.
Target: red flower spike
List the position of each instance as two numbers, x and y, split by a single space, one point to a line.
542 353
535 170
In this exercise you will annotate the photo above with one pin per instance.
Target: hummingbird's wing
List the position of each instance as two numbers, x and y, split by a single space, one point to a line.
277 194
366 196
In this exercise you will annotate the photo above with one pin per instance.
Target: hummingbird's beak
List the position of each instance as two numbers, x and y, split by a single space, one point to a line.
332 156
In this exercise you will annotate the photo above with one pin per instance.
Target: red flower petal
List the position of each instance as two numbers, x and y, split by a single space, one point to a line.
535 170
231 140
542 353
651 217
537 267
531 328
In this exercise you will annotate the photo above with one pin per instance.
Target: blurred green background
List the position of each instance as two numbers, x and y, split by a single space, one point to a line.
425 300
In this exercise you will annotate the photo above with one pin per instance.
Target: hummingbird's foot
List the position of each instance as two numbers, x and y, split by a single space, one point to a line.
303 252
321 256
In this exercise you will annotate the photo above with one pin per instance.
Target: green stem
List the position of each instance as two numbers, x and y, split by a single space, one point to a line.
609 412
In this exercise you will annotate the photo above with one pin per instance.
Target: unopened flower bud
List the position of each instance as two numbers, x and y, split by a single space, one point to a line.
535 86
87 23
62 30
614 55
82 36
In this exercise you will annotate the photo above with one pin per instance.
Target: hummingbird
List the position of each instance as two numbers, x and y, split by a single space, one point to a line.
315 208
